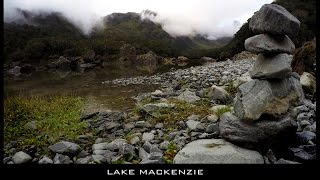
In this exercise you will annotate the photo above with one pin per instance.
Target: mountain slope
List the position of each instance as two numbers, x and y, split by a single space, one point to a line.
304 10
39 37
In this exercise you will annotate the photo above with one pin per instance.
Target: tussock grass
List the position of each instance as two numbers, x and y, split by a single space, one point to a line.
57 117
220 111
170 153
231 89
169 116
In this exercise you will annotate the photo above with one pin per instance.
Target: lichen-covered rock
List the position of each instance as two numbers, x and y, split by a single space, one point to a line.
260 133
273 97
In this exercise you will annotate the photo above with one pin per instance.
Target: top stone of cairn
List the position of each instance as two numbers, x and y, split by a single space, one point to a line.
274 19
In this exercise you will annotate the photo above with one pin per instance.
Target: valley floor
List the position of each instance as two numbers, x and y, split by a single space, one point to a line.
165 125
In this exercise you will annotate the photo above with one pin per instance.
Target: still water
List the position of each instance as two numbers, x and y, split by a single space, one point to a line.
88 85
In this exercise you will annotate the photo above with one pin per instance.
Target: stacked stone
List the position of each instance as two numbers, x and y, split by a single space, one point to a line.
261 119
274 87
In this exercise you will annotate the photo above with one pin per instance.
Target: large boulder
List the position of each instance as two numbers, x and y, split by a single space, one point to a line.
268 67
272 97
147 62
274 19
216 151
262 133
264 43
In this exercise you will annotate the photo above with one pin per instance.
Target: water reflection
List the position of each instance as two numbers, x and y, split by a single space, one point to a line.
87 85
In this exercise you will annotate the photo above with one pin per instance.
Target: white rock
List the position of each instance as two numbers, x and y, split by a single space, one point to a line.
21 157
216 151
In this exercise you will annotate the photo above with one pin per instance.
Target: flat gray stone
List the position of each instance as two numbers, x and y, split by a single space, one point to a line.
272 67
65 147
216 151
274 19
188 96
264 43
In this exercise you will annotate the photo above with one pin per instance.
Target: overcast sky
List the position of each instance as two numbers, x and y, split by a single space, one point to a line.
215 18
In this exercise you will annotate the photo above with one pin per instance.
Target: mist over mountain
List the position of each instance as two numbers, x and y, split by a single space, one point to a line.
187 18
34 36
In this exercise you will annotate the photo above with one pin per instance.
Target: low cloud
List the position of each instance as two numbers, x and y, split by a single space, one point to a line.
212 18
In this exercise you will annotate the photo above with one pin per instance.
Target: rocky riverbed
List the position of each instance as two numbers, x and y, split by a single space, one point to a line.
219 73
126 137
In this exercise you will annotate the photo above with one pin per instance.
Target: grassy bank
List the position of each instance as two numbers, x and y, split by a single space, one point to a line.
52 118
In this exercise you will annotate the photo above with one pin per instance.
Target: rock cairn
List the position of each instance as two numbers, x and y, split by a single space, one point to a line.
262 104
274 87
